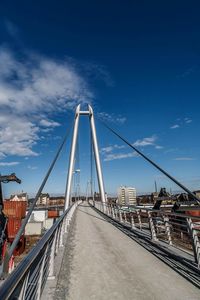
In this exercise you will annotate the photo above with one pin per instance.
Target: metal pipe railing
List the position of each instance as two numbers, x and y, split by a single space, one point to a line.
177 229
27 281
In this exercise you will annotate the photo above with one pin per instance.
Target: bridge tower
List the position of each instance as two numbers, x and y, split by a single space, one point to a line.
90 114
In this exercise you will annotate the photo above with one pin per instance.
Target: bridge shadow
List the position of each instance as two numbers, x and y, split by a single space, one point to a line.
183 266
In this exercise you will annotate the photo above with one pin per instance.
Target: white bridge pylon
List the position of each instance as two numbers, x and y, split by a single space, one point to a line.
90 114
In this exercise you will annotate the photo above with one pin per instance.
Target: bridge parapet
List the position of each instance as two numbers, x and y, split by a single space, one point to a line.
28 280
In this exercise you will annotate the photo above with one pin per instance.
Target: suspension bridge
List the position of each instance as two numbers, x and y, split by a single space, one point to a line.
101 250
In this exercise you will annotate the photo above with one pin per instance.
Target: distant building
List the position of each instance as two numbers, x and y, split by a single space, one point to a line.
60 200
43 199
127 195
19 197
197 193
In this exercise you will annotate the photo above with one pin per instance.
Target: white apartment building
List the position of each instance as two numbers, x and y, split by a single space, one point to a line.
127 195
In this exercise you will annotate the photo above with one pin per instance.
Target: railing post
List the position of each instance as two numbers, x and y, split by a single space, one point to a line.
152 227
23 289
195 241
168 230
120 216
132 221
61 235
52 257
57 239
125 220
113 214
39 285
139 219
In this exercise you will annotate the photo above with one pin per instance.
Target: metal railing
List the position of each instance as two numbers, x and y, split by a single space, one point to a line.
176 229
28 280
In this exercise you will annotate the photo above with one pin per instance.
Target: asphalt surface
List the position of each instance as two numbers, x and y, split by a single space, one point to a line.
101 262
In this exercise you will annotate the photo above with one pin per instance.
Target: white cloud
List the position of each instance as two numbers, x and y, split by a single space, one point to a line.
187 120
7 164
111 156
33 88
111 118
32 167
17 135
175 126
148 141
48 123
184 158
109 149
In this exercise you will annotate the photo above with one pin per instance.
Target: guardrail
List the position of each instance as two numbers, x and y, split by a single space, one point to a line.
27 281
176 229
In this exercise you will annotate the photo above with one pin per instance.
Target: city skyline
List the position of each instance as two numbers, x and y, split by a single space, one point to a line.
139 72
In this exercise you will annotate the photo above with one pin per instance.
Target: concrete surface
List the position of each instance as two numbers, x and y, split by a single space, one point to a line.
100 262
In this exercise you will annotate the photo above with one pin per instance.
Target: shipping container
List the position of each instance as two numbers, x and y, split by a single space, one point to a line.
15 209
13 226
53 213
38 216
34 228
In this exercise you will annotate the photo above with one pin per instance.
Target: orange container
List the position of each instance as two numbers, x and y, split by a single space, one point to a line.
15 209
194 213
13 226
53 213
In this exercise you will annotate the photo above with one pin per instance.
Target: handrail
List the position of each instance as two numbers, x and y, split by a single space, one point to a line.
176 229
44 251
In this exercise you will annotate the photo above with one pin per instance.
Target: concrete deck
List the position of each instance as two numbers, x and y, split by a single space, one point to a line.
100 262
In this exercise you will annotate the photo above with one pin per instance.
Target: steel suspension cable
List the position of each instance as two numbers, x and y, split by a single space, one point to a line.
152 162
25 221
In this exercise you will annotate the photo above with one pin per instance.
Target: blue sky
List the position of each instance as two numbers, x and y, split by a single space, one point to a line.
136 62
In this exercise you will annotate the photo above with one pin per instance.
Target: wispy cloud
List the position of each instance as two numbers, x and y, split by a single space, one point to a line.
8 164
48 123
187 72
175 126
115 156
181 122
32 89
109 149
32 167
188 120
184 158
111 118
148 141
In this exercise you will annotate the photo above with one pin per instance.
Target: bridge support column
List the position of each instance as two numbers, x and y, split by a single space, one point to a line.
125 220
72 157
97 159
